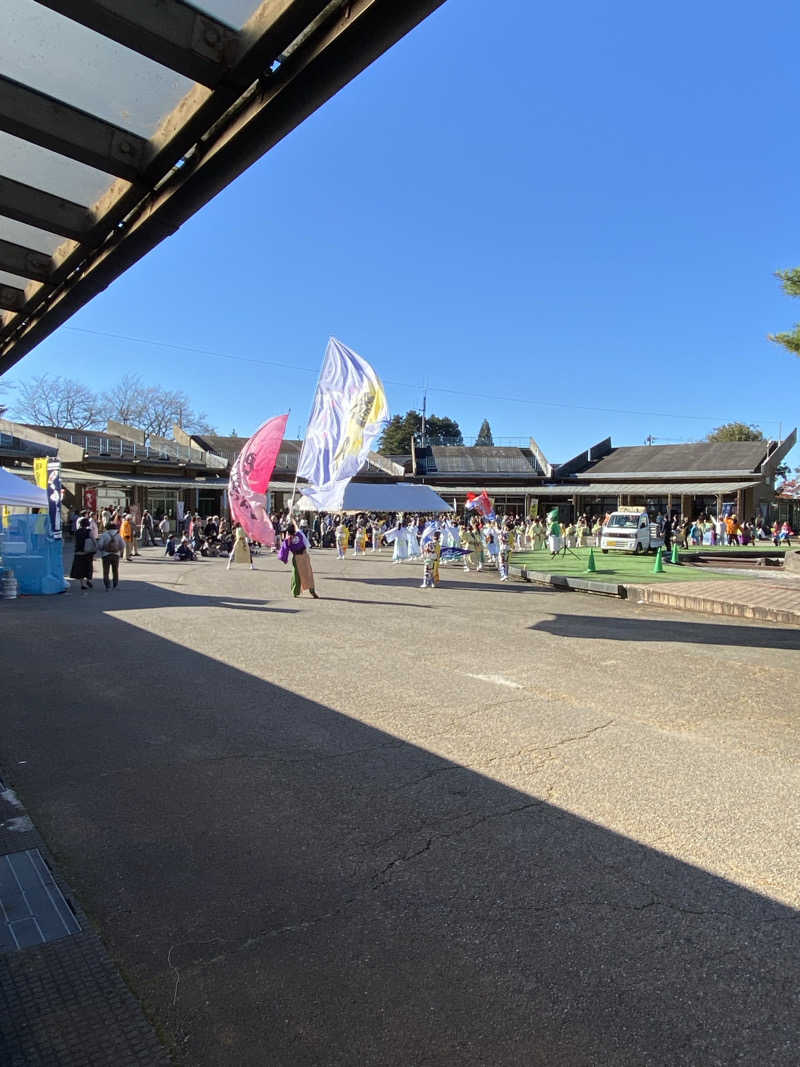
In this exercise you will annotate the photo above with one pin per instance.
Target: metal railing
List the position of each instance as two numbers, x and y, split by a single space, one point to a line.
100 445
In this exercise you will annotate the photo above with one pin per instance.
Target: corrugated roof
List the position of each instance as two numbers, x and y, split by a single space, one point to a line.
483 459
733 457
639 489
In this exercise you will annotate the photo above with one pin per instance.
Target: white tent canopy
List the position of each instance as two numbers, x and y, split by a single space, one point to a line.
384 497
16 492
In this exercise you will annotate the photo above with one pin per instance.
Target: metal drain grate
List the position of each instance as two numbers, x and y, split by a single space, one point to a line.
32 907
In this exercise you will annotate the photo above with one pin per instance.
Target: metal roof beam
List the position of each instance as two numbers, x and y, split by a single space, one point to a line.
224 141
52 124
26 262
172 33
273 27
44 210
11 298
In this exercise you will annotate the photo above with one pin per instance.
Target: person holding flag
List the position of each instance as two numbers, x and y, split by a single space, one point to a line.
295 543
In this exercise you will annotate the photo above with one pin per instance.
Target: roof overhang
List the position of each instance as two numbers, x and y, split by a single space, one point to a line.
253 86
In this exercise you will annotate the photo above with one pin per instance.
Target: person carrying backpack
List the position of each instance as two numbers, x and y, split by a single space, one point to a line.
111 547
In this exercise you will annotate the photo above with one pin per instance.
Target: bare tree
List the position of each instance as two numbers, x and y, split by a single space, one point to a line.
123 401
151 408
54 401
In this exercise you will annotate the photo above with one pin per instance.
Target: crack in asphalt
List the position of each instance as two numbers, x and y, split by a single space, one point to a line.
456 833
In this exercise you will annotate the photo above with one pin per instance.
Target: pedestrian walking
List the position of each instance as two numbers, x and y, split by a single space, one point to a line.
111 547
83 560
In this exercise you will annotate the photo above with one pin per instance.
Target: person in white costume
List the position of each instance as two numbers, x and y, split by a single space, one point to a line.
377 528
341 536
414 550
397 536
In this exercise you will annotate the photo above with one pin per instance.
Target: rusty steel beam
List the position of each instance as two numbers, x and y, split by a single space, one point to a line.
170 32
329 57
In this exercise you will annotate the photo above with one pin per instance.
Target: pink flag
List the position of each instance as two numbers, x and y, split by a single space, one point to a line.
250 475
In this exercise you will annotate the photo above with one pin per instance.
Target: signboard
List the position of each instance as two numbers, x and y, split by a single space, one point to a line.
40 472
54 494
90 498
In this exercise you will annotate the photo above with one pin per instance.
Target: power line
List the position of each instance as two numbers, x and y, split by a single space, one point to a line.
406 385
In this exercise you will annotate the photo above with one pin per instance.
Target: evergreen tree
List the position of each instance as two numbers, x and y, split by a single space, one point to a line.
443 431
439 430
484 434
736 431
791 286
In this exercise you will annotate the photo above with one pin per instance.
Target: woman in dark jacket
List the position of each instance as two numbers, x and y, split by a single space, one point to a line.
83 562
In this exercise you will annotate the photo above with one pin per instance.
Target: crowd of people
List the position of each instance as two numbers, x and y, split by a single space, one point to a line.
473 541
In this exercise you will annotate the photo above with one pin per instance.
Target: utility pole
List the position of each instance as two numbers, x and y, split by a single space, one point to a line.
424 440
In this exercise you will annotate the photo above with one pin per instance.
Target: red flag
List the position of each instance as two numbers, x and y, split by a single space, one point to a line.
480 503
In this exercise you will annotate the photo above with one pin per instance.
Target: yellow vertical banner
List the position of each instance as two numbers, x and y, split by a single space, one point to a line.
40 472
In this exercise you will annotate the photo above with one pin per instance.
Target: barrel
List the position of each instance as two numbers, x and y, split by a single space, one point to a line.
8 586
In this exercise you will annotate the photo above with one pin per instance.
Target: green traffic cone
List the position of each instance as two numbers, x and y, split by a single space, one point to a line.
658 566
674 557
590 566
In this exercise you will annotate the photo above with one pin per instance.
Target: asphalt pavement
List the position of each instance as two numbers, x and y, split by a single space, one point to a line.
481 824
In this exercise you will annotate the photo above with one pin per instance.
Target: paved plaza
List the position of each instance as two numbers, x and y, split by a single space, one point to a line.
480 825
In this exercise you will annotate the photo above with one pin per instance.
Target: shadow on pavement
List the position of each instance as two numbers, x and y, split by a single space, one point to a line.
412 581
282 884
133 595
592 627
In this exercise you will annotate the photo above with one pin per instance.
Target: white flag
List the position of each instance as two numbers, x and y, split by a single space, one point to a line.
349 414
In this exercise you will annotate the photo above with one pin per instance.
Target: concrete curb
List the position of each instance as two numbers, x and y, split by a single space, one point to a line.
641 594
664 596
561 581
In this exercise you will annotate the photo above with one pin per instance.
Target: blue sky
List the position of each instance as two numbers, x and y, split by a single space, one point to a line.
563 218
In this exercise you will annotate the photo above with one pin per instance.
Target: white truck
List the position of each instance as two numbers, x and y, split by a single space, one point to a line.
630 530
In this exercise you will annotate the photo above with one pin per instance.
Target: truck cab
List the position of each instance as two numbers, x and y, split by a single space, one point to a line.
630 530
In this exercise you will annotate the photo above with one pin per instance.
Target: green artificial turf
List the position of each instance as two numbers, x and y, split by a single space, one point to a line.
618 567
